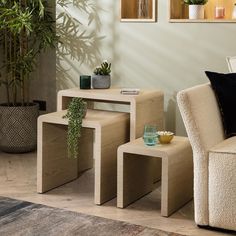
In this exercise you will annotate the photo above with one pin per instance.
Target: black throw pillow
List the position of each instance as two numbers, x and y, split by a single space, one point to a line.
224 86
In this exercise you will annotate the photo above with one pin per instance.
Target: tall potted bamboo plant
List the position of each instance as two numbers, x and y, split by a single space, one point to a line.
26 28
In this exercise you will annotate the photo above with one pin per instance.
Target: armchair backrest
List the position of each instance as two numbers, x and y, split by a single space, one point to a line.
201 116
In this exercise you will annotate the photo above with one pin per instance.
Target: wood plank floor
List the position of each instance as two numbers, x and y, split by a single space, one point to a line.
18 180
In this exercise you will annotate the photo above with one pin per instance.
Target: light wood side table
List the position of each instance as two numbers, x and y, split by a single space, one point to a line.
147 107
135 173
103 132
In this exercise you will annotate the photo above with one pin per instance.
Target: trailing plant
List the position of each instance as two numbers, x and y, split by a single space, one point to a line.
104 69
75 113
195 2
26 29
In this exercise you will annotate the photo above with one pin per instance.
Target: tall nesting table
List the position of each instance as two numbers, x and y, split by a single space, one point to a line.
147 107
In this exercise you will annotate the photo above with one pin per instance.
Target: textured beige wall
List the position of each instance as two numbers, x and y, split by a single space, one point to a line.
168 56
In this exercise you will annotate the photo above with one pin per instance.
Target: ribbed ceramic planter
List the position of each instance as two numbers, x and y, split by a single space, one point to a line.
196 12
18 128
101 81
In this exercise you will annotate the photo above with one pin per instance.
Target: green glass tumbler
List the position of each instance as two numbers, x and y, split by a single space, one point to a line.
85 82
150 135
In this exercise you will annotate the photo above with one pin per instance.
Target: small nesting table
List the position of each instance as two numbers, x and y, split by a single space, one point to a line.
135 173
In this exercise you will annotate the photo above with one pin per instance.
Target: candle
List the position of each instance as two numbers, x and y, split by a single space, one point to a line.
85 82
219 12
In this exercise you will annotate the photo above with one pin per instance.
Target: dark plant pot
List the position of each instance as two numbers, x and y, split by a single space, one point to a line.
18 128
101 81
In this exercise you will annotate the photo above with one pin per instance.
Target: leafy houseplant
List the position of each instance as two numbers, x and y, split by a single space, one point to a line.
26 29
195 2
196 8
76 112
101 78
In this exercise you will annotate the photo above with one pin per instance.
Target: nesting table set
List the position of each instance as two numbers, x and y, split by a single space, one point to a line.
106 133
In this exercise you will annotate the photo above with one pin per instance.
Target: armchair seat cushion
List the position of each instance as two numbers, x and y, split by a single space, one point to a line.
222 185
226 146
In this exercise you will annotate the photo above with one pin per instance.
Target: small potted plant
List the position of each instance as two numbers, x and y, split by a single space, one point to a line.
196 8
101 78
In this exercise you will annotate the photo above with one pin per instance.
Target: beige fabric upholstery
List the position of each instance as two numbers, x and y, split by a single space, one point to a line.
222 185
201 116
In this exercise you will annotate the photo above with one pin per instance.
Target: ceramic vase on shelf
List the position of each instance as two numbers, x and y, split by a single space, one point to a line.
196 12
143 9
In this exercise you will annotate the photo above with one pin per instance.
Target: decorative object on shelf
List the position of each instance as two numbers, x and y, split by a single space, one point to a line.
77 110
219 12
165 137
219 9
101 78
85 82
143 9
130 91
196 8
150 135
27 28
234 12
138 10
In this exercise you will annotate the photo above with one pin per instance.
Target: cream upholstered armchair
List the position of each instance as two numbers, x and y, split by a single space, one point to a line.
214 158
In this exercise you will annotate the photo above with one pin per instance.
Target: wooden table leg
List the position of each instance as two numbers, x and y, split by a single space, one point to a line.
54 168
135 177
177 181
107 140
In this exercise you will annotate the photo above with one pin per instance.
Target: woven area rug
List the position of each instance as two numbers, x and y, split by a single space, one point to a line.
29 219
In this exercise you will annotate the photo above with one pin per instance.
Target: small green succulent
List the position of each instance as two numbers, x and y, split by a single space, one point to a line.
104 69
75 113
195 2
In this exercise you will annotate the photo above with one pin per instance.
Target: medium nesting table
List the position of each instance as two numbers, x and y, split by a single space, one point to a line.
135 173
102 133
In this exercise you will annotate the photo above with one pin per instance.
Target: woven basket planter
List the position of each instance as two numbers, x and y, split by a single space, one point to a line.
18 128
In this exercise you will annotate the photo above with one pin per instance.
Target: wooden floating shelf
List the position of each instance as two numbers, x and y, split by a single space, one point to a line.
201 21
129 11
178 12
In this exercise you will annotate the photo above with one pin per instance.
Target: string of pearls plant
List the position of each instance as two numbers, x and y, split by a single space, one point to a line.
75 114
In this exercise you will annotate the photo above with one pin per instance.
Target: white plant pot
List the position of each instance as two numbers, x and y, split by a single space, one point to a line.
196 12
